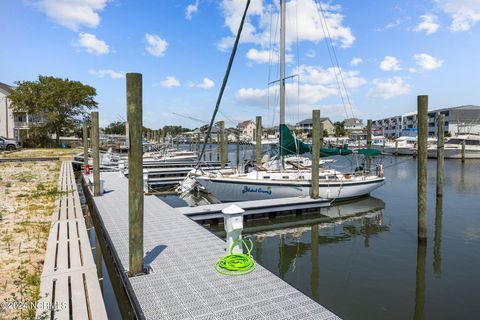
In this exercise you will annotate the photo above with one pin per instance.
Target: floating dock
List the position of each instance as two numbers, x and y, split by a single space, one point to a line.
256 208
183 284
69 287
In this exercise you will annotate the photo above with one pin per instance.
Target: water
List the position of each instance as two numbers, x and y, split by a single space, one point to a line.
368 267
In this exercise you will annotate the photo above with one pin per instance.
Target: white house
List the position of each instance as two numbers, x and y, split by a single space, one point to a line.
7 124
13 125
247 129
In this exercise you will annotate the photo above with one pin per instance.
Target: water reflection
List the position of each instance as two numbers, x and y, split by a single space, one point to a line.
437 239
314 261
361 217
419 313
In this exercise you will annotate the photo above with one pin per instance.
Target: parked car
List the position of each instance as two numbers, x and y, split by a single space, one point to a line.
8 144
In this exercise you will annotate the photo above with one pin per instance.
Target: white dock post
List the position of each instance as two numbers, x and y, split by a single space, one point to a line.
233 221
145 181
121 168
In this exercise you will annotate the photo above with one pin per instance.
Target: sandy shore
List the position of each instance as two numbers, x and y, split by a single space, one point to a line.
27 198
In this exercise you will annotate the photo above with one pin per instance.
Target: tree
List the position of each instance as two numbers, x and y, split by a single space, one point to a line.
60 104
325 133
116 127
339 129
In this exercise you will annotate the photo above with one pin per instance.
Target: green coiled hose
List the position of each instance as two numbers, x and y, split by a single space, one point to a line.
236 264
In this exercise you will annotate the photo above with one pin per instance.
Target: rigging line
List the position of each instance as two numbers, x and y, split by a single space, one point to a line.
235 123
224 84
331 60
336 59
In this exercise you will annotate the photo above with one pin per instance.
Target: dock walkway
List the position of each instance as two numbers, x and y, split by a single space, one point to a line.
183 283
69 280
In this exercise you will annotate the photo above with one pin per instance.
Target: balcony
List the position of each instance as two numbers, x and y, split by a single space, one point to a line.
20 124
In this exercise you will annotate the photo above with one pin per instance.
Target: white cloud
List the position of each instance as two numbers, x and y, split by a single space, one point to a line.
389 88
190 10
355 61
101 73
316 84
257 25
427 62
390 64
156 46
317 75
205 84
465 13
73 13
92 44
390 25
170 82
412 70
429 24
309 94
266 56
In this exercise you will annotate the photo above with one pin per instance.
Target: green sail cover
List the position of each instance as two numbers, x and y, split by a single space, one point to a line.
291 145
369 152
325 152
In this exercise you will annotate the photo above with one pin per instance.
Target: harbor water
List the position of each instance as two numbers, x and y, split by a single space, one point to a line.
369 266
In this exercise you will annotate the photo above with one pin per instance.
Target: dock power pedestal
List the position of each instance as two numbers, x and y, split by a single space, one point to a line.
233 221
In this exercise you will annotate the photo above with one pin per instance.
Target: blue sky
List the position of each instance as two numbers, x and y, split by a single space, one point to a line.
388 52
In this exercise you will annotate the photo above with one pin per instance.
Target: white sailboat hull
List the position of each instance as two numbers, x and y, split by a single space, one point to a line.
232 189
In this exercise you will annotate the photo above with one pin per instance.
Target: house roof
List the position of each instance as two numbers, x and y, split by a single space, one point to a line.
6 87
243 124
309 121
352 121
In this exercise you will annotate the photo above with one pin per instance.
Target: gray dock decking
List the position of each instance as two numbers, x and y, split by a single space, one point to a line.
184 283
69 279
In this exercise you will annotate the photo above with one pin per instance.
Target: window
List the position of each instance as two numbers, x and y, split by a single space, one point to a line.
472 142
454 141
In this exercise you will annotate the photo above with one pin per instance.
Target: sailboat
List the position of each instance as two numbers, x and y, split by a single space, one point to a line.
267 183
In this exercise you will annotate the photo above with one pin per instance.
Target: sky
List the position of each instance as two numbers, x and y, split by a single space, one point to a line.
387 52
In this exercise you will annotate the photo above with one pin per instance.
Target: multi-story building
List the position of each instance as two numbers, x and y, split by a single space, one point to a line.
13 125
307 124
247 129
462 119
7 124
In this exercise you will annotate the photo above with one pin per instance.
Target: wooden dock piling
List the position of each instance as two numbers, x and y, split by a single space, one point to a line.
422 106
315 153
369 143
96 154
321 135
463 151
85 146
237 149
258 141
210 150
135 173
369 133
222 144
440 154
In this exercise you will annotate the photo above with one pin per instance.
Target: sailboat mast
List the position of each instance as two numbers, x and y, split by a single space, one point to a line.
282 62
282 75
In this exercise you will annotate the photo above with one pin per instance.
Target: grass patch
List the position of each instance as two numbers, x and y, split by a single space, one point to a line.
23 177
